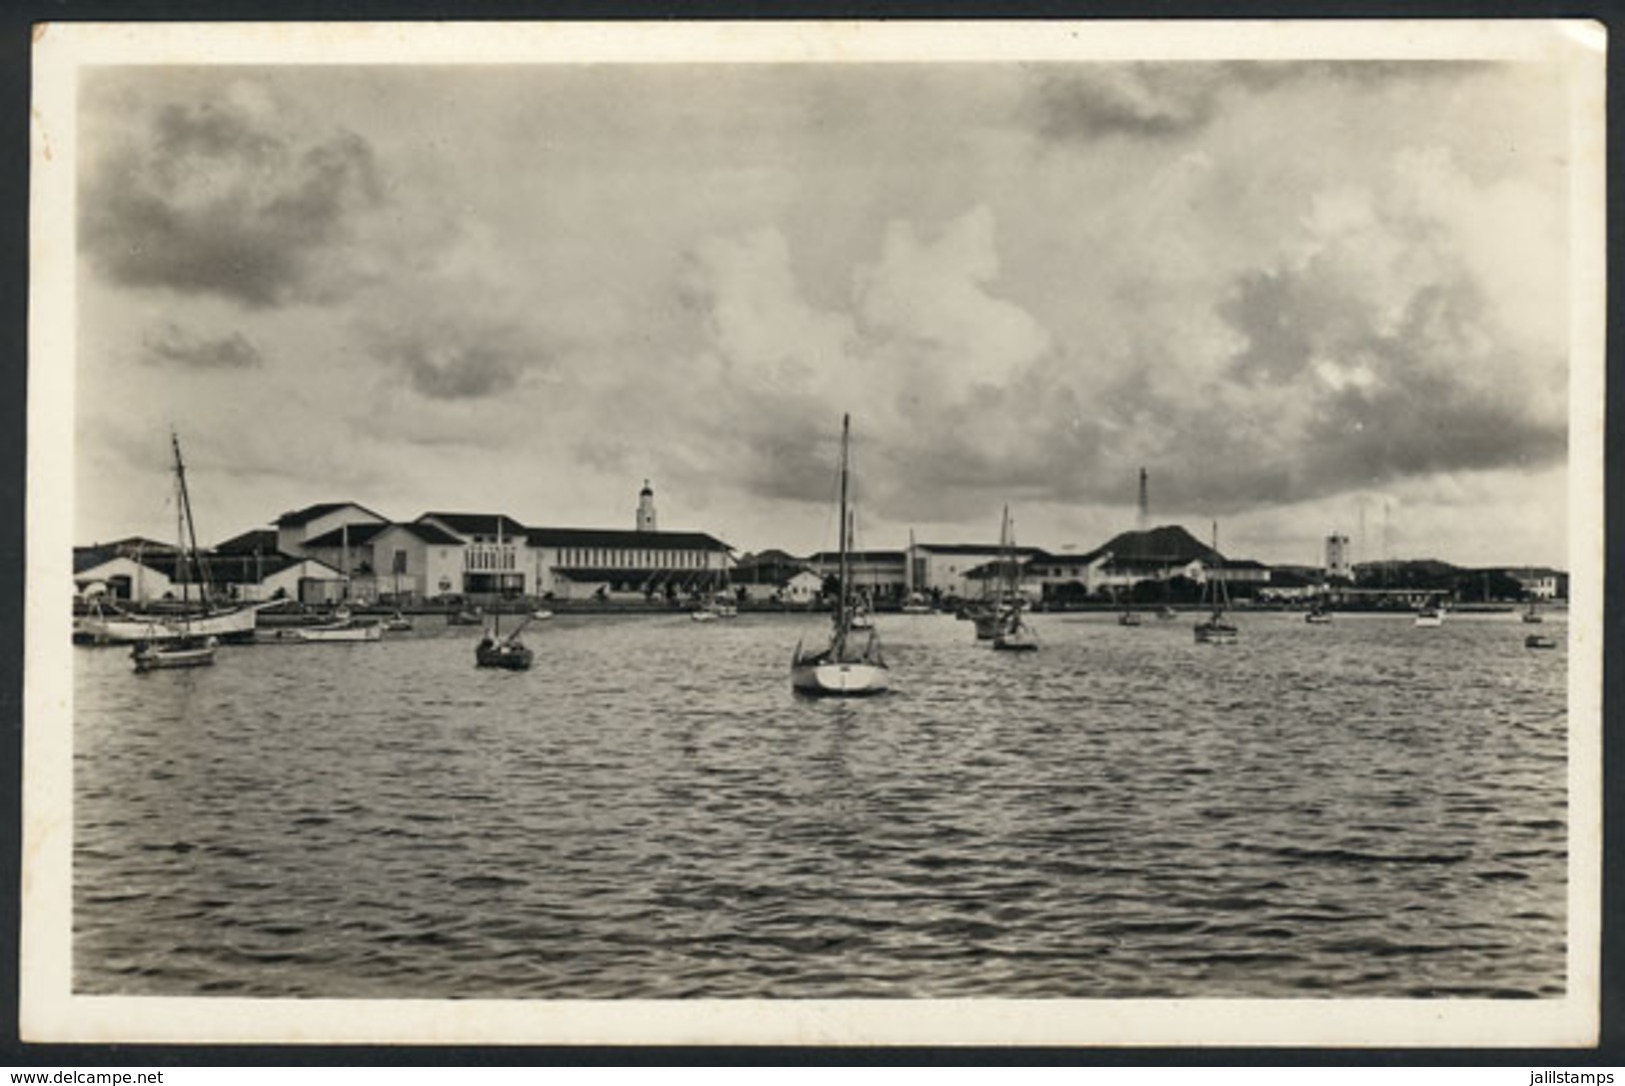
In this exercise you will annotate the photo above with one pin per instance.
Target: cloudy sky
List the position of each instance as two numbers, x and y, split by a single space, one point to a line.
1305 296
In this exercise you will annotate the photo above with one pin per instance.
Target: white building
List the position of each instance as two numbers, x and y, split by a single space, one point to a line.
1339 561
398 562
293 529
576 563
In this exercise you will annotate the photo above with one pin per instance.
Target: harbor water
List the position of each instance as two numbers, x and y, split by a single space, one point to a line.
1361 808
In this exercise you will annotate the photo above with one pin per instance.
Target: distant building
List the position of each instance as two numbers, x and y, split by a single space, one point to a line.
580 562
880 574
1539 582
1339 562
400 562
646 508
292 529
945 568
494 554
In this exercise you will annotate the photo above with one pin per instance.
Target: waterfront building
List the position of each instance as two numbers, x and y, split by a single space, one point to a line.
400 563
292 529
1064 576
944 568
494 555
776 577
1339 562
1540 583
580 563
104 570
881 575
230 575
800 588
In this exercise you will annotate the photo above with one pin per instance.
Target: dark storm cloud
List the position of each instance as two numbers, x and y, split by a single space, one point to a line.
460 373
1148 101
1162 100
208 199
173 346
456 356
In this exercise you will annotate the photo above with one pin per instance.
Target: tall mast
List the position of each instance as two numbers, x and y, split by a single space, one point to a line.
186 516
841 603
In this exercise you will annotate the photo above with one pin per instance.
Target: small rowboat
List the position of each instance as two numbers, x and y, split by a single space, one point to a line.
176 653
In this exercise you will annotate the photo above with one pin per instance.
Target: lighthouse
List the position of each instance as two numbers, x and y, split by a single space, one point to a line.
646 508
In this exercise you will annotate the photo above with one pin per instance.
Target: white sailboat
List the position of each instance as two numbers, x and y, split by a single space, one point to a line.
1012 632
181 645
1430 616
1216 629
113 625
851 664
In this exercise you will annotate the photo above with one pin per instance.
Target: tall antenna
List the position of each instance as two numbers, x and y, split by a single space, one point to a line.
1144 520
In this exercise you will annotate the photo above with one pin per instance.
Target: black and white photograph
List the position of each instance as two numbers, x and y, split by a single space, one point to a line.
1027 533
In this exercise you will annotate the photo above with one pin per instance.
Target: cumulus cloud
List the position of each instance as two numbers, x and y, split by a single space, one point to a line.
224 199
454 361
171 345
1170 99
1364 350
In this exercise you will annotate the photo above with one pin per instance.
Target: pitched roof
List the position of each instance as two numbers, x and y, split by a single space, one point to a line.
255 539
1170 545
320 509
222 569
356 535
627 539
825 558
995 568
362 534
478 523
971 548
137 544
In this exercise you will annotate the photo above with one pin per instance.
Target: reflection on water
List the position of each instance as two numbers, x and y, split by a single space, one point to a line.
1355 809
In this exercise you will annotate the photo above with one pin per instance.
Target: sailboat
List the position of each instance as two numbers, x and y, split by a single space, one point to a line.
850 665
182 645
1215 630
114 625
509 652
1011 633
1533 614
1431 615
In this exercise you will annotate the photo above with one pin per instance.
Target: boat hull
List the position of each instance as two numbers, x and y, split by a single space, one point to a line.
1215 634
506 657
160 657
1015 644
371 631
838 679
128 628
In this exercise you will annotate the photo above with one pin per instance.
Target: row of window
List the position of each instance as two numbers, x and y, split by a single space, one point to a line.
611 557
490 558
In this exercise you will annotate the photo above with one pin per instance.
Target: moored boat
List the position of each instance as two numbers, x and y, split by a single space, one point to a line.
1317 614
1540 641
177 652
851 665
349 629
1011 632
1430 616
508 653
1216 629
